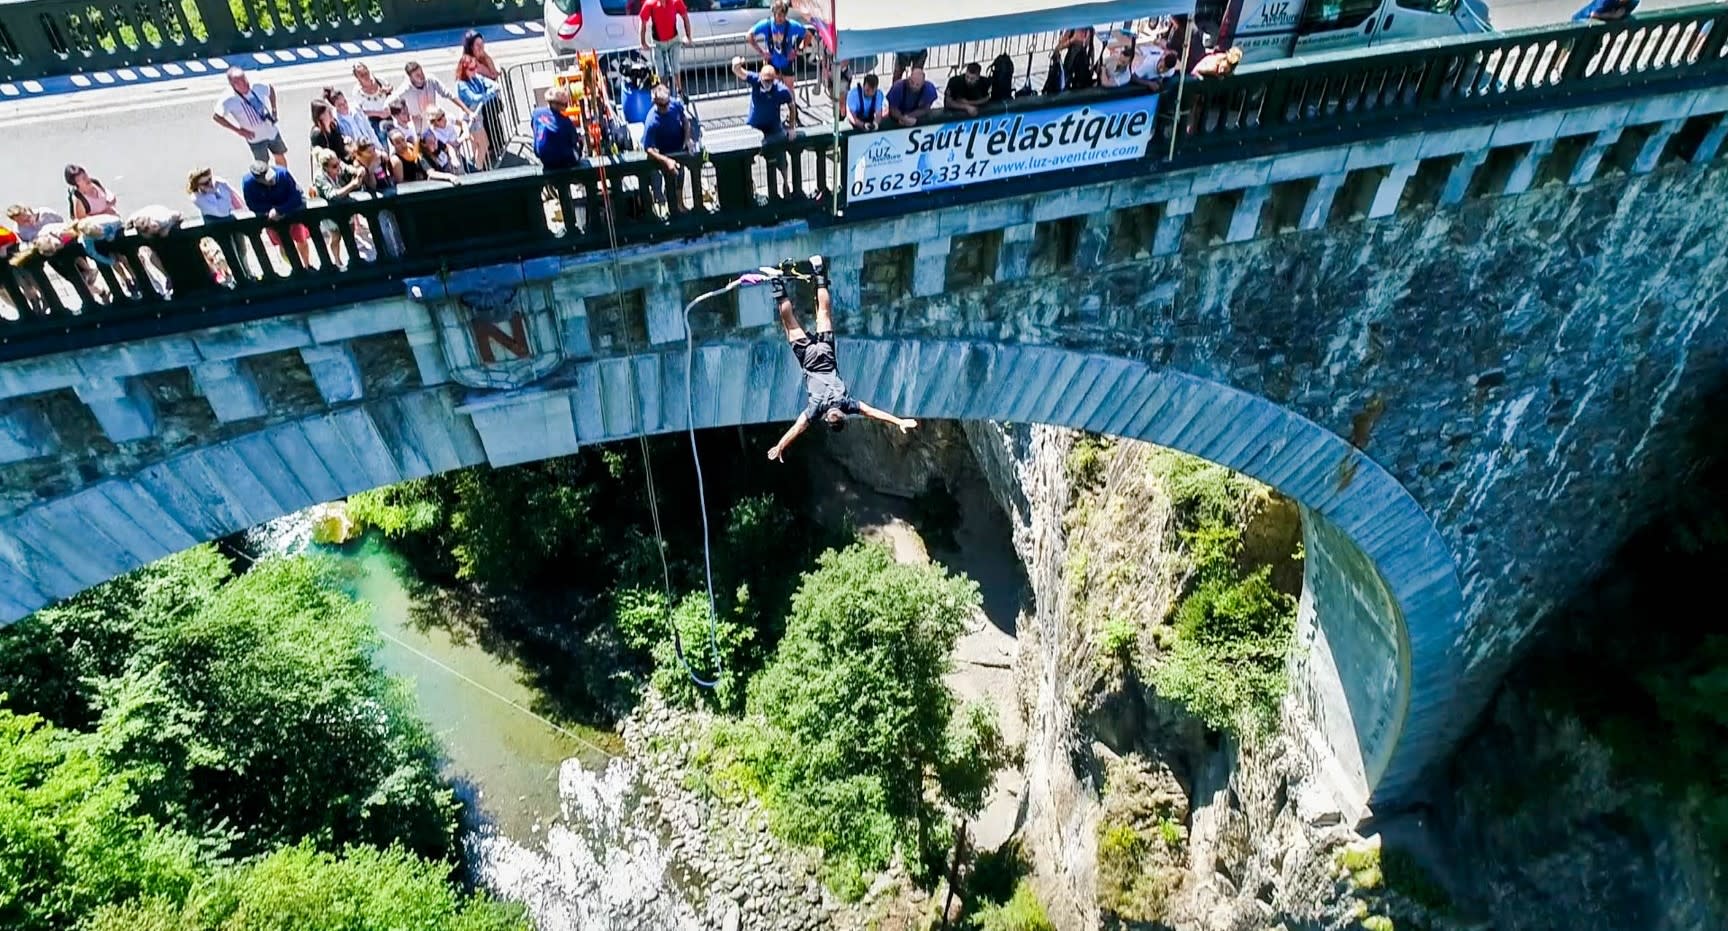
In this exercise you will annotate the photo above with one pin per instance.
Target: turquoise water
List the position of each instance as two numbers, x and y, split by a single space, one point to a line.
476 704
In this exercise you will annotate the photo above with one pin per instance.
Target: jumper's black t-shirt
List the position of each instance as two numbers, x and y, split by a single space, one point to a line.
822 376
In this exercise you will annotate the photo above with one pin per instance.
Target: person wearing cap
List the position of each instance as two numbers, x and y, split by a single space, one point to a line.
666 132
555 136
271 192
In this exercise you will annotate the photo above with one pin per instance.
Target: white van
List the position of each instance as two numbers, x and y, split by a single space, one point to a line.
1271 29
604 25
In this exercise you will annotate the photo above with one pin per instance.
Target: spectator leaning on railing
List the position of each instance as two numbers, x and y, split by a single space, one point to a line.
1606 11
911 98
270 192
667 132
779 38
866 105
555 136
967 91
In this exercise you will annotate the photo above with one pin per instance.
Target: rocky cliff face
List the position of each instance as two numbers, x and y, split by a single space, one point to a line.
1530 828
1109 764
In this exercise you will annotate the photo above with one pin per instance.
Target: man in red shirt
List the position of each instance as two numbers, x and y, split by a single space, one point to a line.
665 48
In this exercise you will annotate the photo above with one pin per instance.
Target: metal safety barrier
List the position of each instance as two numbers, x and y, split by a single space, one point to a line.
253 268
41 38
1426 84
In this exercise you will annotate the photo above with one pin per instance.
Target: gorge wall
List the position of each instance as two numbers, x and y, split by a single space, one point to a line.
1530 826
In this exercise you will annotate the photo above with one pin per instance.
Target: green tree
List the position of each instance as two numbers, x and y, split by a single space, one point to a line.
1228 663
858 717
70 841
49 661
301 888
264 709
642 618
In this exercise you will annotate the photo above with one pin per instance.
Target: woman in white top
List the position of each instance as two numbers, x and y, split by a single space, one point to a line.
215 198
372 96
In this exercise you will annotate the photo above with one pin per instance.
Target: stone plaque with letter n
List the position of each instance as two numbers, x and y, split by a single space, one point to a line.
499 337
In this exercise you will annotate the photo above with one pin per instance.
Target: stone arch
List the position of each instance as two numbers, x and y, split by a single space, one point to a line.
1381 605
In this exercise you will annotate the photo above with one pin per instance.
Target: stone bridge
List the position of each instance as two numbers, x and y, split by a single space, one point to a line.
1472 355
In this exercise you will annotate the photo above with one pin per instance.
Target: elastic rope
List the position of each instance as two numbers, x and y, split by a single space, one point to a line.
648 470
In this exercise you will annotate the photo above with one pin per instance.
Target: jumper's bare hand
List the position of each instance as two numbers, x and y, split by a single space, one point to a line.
907 425
774 454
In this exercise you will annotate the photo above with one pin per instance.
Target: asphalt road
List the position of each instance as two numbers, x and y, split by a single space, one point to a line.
142 139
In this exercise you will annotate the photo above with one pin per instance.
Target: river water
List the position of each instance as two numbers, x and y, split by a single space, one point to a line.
553 812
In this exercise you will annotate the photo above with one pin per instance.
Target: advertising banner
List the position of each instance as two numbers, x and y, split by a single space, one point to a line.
906 160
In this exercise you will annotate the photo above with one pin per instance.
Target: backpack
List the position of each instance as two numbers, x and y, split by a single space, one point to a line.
1001 78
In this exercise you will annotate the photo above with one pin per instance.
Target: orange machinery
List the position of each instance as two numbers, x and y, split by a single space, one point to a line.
590 104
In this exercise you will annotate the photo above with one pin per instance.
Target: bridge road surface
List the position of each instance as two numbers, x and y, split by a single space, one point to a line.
142 139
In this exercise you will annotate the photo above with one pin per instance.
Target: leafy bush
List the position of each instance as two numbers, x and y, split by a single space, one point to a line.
1119 638
1086 461
251 702
647 625
851 718
1232 639
70 840
301 888
1023 912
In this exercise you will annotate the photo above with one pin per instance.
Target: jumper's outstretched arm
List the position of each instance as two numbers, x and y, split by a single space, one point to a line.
791 434
906 424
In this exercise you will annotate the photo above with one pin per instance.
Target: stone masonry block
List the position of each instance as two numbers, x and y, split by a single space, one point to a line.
665 307
1659 109
429 356
1016 256
1463 172
1245 218
1307 164
1394 151
1541 127
1167 238
1455 141
930 269
1319 204
231 390
1594 119
1591 158
138 358
25 432
380 316
1651 154
35 376
253 338
1711 143
1391 190
121 405
335 371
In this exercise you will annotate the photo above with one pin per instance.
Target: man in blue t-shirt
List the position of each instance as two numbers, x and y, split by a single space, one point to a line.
911 98
555 137
779 37
769 91
666 132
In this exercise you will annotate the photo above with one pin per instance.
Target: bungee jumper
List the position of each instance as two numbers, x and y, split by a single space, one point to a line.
830 401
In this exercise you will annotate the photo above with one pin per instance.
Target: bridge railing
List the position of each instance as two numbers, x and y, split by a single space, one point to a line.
1287 104
39 38
207 274
253 268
